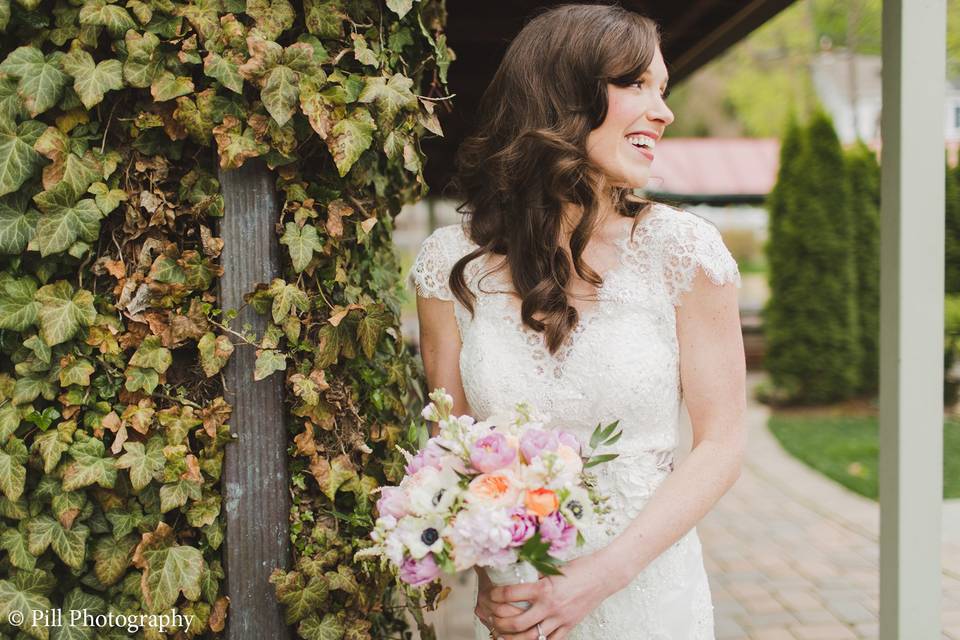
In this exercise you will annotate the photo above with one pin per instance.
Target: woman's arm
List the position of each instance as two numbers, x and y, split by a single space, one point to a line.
712 372
440 349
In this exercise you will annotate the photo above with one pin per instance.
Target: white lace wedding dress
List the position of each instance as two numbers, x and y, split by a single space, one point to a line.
620 362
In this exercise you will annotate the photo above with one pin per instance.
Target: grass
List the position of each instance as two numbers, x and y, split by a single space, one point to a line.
846 449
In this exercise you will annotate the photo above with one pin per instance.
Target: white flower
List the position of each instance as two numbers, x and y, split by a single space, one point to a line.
421 535
480 535
432 490
577 508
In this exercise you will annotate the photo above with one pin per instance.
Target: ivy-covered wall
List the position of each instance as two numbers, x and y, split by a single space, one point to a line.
113 425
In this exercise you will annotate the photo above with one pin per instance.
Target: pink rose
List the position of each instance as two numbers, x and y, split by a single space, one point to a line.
492 452
524 526
534 442
393 502
418 573
558 532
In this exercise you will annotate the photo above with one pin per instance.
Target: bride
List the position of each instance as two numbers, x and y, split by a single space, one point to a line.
564 290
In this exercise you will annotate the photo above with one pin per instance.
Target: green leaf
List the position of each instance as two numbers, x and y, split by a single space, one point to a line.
11 106
137 379
64 220
41 83
269 361
107 199
13 473
4 14
370 328
350 138
167 86
115 18
70 544
175 494
144 462
18 159
324 18
273 16
62 312
18 223
301 602
92 80
19 595
9 421
390 96
595 460
18 309
51 447
151 354
280 94
285 297
144 62
329 628
89 466
14 542
77 372
224 70
301 242
204 511
214 352
112 557
169 569
400 7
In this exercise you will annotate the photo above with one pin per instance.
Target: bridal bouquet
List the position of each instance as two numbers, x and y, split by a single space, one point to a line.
505 493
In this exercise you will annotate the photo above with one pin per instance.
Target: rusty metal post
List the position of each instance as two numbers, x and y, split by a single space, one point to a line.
255 477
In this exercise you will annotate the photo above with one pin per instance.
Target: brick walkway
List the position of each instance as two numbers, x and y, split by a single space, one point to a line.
791 555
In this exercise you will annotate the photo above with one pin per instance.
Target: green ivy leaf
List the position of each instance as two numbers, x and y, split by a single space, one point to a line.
13 473
324 18
69 544
114 17
144 62
18 223
92 80
329 628
144 462
14 542
168 569
18 159
40 83
287 296
273 16
204 511
280 94
4 14
51 447
269 361
11 106
77 372
167 86
89 466
18 309
23 594
350 138
174 495
112 557
224 70
301 242
371 327
62 312
9 420
214 352
107 199
137 379
400 7
65 220
151 354
390 95
301 602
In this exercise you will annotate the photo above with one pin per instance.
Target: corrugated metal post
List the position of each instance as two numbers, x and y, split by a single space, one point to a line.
255 477
911 318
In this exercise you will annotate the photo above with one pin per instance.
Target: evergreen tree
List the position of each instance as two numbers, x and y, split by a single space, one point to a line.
864 175
811 320
952 235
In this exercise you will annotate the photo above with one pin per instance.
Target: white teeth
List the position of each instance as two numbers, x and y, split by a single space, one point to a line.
645 141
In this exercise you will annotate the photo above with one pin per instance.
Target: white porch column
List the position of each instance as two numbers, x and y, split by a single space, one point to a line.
911 318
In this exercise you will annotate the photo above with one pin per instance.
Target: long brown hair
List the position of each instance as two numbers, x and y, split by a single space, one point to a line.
528 155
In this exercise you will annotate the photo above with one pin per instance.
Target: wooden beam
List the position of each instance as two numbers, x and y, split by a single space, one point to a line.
911 318
255 477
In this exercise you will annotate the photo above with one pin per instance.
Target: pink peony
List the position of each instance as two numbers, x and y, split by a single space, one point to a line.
418 573
430 456
492 452
558 532
570 440
524 526
534 442
393 502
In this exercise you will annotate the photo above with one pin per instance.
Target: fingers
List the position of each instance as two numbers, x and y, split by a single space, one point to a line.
523 621
516 592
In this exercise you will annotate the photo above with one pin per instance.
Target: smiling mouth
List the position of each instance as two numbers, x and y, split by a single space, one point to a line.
645 150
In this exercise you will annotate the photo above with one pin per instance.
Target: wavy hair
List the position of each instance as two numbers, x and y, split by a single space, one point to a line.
528 154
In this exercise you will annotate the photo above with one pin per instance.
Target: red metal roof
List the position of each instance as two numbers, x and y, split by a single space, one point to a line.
715 166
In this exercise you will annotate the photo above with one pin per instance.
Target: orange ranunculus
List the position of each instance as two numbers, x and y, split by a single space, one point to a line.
541 502
497 488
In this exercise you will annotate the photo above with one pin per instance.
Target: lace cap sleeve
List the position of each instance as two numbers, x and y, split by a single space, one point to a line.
430 272
693 242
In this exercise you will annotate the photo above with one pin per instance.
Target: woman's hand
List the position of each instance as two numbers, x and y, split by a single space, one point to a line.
486 608
558 603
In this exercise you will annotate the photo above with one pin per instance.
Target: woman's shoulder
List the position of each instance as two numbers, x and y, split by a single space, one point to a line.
436 256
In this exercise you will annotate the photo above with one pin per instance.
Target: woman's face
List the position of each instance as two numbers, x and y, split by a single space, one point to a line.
623 146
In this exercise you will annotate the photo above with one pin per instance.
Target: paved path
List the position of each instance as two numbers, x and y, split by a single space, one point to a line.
791 555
